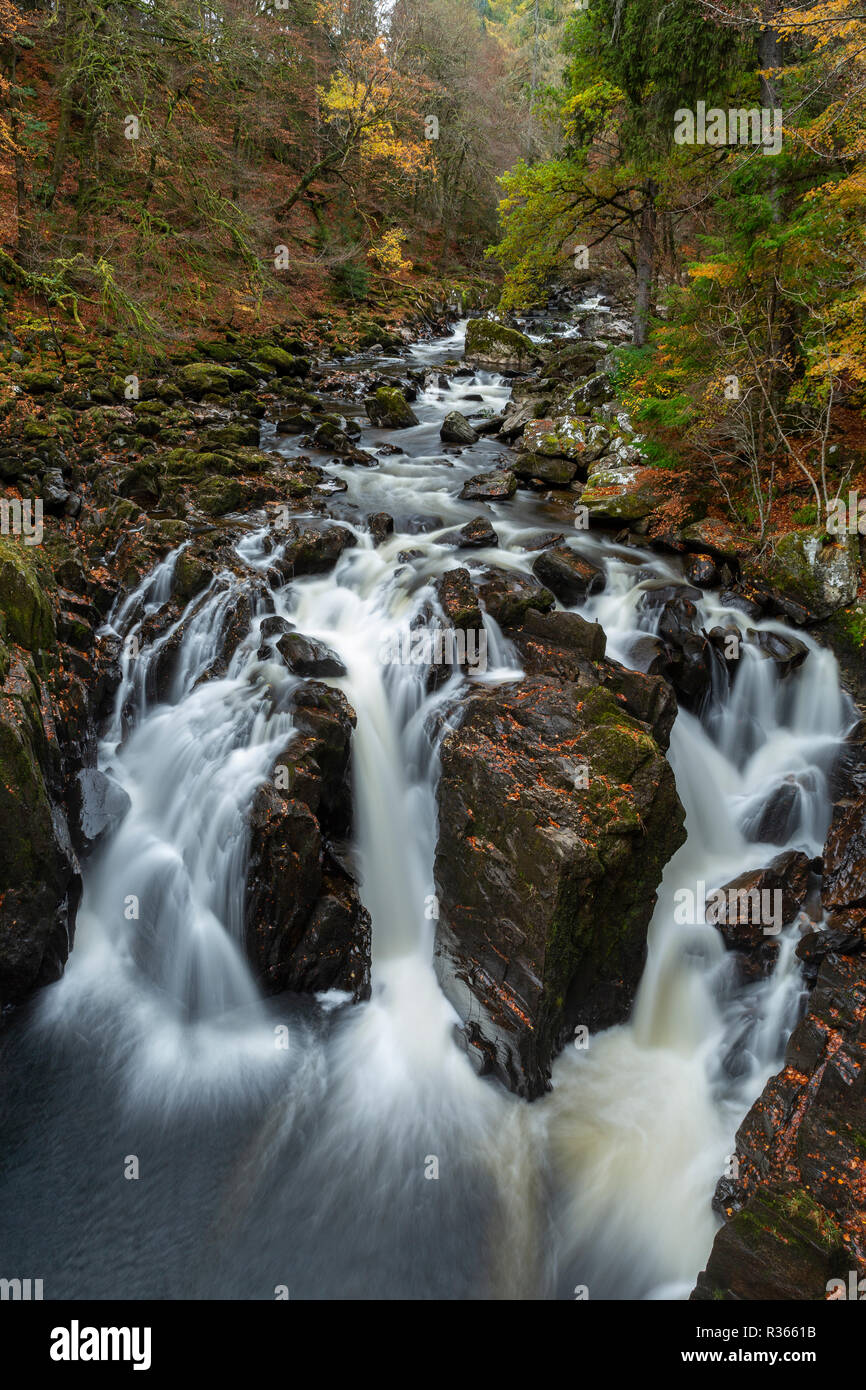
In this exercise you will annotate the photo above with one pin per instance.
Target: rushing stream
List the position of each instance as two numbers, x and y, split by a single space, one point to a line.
307 1166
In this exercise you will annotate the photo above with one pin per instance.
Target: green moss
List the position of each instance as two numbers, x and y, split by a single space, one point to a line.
219 496
485 338
25 610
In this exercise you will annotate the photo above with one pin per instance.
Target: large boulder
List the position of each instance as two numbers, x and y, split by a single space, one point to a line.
305 927
497 486
557 814
199 379
493 345
311 551
456 429
39 877
389 409
625 495
571 576
820 573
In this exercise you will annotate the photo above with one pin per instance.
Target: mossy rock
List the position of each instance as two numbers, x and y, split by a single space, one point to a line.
236 433
191 576
199 379
189 465
389 409
280 362
169 392
219 496
624 494
498 345
25 610
37 383
820 572
37 430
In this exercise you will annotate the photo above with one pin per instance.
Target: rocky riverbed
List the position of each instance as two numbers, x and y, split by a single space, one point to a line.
494 483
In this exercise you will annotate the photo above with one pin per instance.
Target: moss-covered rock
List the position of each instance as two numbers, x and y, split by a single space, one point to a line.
494 345
820 572
389 409
38 871
557 814
25 610
199 379
219 496
624 494
280 362
39 383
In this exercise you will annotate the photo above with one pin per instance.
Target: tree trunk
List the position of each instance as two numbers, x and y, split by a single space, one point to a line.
645 259
48 191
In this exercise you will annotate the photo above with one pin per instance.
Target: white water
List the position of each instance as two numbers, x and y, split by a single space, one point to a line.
607 1181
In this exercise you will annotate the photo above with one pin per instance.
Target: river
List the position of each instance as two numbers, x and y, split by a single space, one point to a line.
287 1145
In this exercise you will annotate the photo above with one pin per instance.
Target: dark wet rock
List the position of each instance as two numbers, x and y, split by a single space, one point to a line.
508 595
541 469
305 928
687 660
55 493
456 429
759 902
795 1210
422 525
776 818
543 540
380 526
40 883
557 812
571 576
490 424
787 652
274 626
308 551
389 409
701 570
476 534
459 600
844 882
497 486
304 656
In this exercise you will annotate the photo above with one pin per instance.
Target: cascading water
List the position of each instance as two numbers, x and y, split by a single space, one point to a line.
309 1167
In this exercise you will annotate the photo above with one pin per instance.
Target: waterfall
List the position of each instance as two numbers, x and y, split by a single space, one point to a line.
313 1167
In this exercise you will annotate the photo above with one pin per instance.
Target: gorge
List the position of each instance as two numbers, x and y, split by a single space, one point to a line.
377 971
